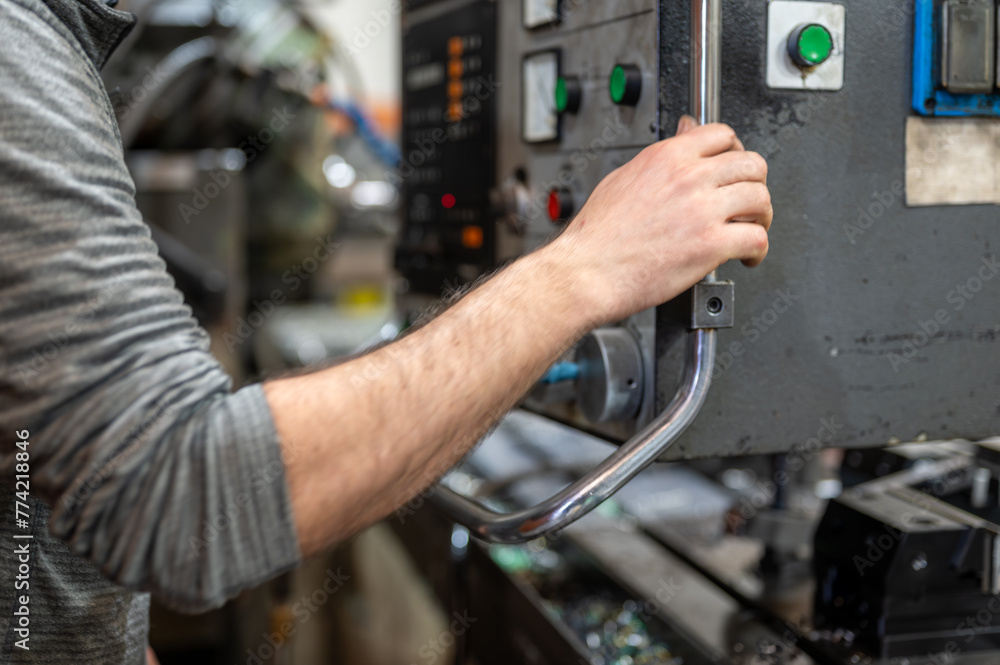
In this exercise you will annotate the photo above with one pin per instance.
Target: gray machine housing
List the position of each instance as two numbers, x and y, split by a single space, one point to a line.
861 328
839 335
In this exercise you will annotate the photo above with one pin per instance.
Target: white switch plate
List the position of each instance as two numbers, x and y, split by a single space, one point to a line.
783 16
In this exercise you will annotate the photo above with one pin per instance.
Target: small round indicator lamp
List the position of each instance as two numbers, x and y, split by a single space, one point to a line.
472 237
625 85
448 200
560 205
568 94
810 44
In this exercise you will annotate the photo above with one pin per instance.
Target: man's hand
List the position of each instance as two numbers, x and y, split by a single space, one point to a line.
663 221
362 438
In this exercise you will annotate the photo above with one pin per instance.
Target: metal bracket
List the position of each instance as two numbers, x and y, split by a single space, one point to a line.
713 305
705 306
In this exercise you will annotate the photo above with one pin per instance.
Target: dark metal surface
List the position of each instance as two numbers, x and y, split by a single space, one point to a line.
853 276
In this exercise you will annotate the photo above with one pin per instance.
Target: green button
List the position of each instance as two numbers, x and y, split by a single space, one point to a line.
562 95
625 84
618 84
815 44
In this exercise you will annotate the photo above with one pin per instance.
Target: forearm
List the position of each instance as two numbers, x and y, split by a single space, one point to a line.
361 438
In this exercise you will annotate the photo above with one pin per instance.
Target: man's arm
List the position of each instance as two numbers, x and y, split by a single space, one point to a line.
363 437
166 481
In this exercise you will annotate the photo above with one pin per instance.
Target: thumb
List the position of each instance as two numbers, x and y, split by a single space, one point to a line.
686 124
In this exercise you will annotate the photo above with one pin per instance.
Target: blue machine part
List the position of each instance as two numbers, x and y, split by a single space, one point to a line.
929 98
562 372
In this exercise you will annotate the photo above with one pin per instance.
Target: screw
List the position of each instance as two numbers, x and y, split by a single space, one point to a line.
714 305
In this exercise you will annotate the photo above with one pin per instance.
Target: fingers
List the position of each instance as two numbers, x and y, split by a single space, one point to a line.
686 124
747 242
748 205
733 167
748 202
710 140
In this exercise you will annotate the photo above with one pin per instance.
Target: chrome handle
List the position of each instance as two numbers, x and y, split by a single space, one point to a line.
579 498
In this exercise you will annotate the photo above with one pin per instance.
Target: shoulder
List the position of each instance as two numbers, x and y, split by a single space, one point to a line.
58 134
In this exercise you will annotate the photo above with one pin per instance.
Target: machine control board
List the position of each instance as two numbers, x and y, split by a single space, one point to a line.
447 170
855 331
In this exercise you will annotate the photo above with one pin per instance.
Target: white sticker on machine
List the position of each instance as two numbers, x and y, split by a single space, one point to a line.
952 161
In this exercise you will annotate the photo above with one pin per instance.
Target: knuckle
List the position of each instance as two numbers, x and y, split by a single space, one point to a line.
724 131
761 241
684 175
762 197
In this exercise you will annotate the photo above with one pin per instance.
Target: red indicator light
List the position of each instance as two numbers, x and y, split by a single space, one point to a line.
448 201
555 209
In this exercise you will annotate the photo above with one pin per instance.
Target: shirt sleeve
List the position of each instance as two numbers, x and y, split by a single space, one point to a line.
152 468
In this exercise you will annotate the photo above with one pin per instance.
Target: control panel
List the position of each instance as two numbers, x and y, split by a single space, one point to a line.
873 319
450 91
586 104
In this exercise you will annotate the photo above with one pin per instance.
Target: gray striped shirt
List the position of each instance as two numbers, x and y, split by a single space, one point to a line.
146 473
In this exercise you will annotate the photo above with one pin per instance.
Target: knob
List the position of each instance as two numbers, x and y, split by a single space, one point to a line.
625 84
560 204
568 94
610 384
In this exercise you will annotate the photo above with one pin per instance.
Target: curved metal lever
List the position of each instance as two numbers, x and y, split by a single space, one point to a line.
582 496
579 498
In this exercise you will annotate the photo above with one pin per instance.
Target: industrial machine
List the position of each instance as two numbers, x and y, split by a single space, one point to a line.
872 322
